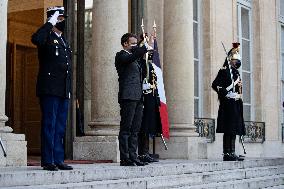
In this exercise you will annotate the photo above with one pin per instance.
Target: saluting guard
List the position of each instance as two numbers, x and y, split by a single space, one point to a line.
53 87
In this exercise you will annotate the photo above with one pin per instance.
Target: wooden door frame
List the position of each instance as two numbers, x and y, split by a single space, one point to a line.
12 84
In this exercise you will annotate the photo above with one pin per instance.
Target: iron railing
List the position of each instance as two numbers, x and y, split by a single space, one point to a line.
205 127
255 132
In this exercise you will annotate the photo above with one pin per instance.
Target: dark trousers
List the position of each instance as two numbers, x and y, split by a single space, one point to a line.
131 113
143 143
229 143
53 123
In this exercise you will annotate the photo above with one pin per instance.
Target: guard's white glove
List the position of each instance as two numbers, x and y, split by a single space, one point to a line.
146 85
53 18
148 46
232 95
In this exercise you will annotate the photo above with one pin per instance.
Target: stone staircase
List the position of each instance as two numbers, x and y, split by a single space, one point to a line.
181 174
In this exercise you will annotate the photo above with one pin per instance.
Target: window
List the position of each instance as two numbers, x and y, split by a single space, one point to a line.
244 37
281 8
282 67
197 61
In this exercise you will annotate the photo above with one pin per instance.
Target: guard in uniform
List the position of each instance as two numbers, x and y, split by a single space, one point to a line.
53 87
130 97
230 119
151 121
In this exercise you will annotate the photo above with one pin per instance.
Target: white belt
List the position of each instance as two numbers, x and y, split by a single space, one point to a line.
233 84
236 97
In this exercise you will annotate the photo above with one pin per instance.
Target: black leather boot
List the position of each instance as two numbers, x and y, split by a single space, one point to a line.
227 156
232 149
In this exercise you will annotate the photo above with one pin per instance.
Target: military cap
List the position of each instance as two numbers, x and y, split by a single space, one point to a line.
51 10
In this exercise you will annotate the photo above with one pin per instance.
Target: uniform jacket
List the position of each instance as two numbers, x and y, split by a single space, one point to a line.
129 71
151 122
54 76
230 114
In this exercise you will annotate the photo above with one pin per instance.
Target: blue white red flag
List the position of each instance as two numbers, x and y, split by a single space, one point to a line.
161 91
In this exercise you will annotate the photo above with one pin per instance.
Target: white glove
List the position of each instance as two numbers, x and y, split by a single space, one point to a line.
148 46
53 18
232 95
146 85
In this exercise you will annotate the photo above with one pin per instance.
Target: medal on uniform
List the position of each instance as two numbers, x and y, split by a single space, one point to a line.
56 51
55 41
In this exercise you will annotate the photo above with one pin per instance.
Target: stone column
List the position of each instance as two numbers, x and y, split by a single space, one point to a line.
15 145
179 82
110 22
3 42
151 14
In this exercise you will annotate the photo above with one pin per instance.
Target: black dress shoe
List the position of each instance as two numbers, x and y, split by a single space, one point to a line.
50 167
229 157
63 166
238 158
139 163
127 162
147 158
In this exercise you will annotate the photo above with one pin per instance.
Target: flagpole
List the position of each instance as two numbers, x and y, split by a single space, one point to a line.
146 80
155 36
155 29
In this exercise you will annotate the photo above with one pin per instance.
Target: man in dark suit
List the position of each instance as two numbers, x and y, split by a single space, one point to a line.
53 87
128 66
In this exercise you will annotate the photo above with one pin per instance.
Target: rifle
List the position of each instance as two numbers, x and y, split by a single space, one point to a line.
242 141
164 142
3 148
154 155
224 48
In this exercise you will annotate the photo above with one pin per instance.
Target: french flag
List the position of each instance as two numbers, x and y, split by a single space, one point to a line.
161 91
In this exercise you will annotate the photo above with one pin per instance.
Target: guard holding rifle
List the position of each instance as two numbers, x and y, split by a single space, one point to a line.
230 119
151 121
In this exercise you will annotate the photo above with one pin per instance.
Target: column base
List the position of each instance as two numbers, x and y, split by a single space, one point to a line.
16 149
6 129
182 148
96 148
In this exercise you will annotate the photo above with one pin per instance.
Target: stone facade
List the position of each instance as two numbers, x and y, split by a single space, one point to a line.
219 22
266 63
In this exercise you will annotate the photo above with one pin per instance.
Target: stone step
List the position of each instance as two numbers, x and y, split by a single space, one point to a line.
170 181
215 176
252 183
25 176
275 187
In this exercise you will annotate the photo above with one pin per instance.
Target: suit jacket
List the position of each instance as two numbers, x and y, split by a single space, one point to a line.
54 76
128 67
